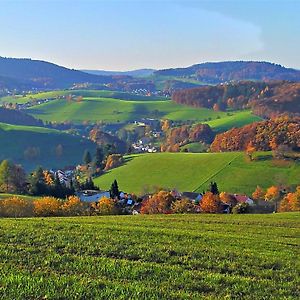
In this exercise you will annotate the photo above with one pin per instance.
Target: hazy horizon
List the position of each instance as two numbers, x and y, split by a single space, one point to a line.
130 35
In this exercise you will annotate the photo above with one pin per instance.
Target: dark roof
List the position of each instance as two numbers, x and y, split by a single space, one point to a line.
191 195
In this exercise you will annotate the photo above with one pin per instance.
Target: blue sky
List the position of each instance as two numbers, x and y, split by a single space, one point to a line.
126 35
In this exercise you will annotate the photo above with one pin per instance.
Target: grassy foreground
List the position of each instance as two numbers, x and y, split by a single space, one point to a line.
194 171
151 257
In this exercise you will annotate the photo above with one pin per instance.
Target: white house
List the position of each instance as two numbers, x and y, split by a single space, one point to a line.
92 195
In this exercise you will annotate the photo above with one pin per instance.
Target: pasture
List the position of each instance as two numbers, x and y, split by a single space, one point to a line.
151 257
142 173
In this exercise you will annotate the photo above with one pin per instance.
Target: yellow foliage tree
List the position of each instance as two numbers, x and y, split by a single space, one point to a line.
47 206
105 206
182 206
73 207
273 195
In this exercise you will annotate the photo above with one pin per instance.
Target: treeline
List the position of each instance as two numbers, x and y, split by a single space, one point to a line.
262 136
266 99
16 117
233 70
182 135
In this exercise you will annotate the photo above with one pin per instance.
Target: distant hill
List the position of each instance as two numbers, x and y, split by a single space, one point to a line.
219 72
266 99
133 73
41 74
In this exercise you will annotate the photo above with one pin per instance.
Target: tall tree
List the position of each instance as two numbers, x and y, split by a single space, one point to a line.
37 183
5 175
114 190
87 157
214 188
98 158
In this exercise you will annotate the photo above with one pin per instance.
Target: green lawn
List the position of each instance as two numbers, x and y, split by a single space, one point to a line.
194 171
167 257
15 140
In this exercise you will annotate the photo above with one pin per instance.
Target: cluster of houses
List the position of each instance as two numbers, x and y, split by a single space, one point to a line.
132 206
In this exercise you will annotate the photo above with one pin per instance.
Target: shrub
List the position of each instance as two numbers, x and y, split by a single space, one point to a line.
74 207
105 206
183 206
16 207
241 208
47 206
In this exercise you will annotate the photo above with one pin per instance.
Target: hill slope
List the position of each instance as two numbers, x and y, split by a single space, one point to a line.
32 146
41 74
190 172
219 72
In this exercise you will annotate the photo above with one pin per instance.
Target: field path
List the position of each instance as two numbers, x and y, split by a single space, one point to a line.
216 173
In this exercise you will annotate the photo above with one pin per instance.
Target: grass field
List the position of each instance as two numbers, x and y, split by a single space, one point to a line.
236 119
17 139
194 171
116 110
151 257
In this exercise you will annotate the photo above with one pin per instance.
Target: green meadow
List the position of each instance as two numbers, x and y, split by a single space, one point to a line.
167 257
143 173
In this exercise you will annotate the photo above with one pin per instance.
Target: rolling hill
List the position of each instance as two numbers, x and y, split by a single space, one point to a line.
32 146
133 73
42 74
218 72
193 172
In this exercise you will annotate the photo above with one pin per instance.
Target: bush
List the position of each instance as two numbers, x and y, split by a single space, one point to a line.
16 207
47 206
241 208
74 207
105 206
183 206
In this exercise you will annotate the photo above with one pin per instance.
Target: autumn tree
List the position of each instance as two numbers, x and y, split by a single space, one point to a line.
158 203
47 206
228 199
105 206
73 207
258 194
16 207
273 195
210 203
250 151
291 201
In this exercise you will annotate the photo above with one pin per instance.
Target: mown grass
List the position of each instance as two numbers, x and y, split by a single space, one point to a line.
194 171
15 140
151 257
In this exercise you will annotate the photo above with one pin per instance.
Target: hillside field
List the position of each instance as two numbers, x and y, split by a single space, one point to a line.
193 172
15 140
167 257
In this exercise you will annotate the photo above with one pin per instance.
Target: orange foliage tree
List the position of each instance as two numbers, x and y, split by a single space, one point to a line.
73 207
258 194
182 206
228 199
210 203
105 206
159 203
273 195
291 202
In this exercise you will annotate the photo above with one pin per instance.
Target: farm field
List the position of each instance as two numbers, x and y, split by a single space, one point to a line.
16 139
194 171
151 257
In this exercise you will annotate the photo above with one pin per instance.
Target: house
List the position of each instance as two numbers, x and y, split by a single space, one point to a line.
244 199
194 197
92 195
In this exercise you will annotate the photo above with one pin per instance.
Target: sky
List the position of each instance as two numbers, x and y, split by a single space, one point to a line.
128 35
